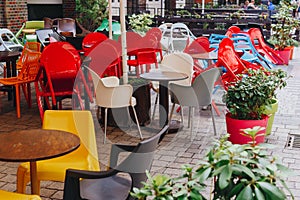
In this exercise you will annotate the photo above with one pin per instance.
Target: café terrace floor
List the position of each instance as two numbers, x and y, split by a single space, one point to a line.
175 149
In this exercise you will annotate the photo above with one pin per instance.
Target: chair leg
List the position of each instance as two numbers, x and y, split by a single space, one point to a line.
192 121
213 120
105 125
137 122
155 104
18 100
171 113
189 118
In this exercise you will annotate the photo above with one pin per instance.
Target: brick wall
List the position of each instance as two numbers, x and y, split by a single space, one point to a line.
14 12
69 7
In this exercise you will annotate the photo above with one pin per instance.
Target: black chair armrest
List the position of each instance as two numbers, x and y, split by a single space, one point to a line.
116 149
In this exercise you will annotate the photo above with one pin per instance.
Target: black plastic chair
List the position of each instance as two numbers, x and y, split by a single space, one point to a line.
109 184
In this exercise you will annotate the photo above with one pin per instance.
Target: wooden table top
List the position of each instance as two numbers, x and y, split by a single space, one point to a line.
36 144
8 55
158 75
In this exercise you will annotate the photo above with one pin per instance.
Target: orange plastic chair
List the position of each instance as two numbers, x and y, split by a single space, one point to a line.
259 43
59 77
228 58
92 39
28 74
34 46
85 157
17 196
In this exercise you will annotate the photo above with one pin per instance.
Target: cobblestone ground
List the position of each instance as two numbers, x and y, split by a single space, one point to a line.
175 149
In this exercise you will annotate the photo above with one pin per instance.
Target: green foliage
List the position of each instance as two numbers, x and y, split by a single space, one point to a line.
283 27
236 171
140 23
248 97
90 13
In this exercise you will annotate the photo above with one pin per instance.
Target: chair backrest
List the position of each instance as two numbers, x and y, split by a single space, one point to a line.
139 160
228 58
108 95
132 39
231 30
197 46
8 41
80 123
48 22
91 39
34 46
30 65
203 86
34 25
61 62
43 36
103 56
180 37
65 25
179 62
156 32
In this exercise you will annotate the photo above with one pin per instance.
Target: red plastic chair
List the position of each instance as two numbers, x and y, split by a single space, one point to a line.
158 34
92 39
259 43
145 54
105 59
228 58
60 76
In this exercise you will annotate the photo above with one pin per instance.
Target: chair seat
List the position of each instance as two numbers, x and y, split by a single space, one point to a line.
17 196
95 189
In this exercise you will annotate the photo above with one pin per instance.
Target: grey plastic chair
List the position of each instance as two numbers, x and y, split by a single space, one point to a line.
199 94
95 185
43 36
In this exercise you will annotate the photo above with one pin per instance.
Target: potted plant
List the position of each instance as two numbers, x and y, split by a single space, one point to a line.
235 172
90 13
247 101
282 30
140 23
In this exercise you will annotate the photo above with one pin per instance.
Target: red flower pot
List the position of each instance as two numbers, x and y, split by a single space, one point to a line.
285 55
234 127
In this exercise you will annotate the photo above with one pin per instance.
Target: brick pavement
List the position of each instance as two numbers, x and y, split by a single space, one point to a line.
175 149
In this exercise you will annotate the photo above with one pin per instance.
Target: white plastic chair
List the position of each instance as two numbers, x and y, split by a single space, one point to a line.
8 41
109 94
180 37
178 62
199 94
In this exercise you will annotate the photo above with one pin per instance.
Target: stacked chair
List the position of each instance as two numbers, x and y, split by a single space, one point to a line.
29 68
60 77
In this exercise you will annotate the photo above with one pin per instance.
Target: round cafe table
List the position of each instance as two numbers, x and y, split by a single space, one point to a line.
34 145
163 77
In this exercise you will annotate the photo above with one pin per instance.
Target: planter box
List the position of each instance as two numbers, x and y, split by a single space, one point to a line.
234 127
285 55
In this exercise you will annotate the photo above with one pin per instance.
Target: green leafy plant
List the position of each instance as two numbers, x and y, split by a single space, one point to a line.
284 26
236 172
140 23
248 97
90 13
183 13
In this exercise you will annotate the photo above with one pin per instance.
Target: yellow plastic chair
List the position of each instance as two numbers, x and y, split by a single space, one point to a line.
17 196
28 29
84 158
